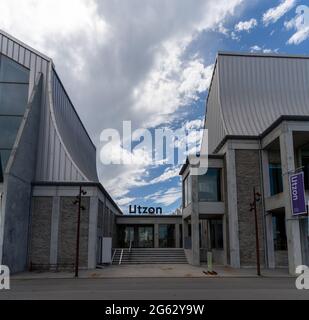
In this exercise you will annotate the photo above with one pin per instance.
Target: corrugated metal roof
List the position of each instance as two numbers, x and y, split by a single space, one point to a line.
254 91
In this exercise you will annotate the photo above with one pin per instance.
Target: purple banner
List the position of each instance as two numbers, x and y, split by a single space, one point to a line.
297 188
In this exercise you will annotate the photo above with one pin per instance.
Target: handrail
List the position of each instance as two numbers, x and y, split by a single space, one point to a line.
130 246
114 255
120 260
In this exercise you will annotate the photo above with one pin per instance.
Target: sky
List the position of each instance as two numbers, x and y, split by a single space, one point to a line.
149 62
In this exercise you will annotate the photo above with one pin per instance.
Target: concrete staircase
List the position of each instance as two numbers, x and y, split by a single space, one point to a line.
149 256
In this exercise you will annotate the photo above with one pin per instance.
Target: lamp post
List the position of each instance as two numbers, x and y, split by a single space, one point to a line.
256 198
78 201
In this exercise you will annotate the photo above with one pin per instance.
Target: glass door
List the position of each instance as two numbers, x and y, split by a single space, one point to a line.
145 237
128 236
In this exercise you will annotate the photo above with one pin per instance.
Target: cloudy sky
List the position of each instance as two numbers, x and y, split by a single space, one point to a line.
149 62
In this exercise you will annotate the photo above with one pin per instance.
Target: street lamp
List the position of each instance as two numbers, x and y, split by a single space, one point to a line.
257 198
78 202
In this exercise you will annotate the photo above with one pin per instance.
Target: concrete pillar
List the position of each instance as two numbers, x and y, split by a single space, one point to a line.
156 235
270 241
292 223
225 240
269 245
1 221
177 235
185 232
54 230
92 232
232 208
195 223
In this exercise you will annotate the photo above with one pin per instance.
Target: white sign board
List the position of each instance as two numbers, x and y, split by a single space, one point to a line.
107 250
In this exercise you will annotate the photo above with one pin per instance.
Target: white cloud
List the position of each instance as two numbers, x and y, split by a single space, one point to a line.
235 36
301 24
168 174
272 15
125 201
221 29
300 36
246 25
42 24
121 60
172 84
166 197
257 48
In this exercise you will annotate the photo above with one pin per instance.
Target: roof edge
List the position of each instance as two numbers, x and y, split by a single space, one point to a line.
78 184
24 45
261 136
210 156
261 54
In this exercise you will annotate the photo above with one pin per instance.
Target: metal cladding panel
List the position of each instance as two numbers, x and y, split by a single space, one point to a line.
72 132
214 123
255 90
37 63
63 137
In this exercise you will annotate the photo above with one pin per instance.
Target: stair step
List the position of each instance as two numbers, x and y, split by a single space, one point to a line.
149 256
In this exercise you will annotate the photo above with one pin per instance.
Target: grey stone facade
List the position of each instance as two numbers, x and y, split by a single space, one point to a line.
248 175
68 229
41 230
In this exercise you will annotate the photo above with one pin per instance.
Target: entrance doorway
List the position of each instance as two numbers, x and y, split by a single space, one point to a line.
145 237
167 236
140 236
211 239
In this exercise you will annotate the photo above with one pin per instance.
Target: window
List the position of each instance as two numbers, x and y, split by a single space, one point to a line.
209 186
279 232
145 237
216 233
14 86
187 185
275 176
11 71
13 99
167 236
305 164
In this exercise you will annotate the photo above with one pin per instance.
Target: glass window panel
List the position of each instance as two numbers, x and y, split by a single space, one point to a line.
275 177
216 233
210 186
145 237
279 232
189 189
11 71
4 158
187 183
305 164
167 236
13 99
8 131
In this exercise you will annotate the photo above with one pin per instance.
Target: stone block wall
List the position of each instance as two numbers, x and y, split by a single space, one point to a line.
248 175
68 229
41 230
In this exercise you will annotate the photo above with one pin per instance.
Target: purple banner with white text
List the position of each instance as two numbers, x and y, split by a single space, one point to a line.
297 188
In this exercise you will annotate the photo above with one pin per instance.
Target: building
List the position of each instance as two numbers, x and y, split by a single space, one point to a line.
258 129
45 156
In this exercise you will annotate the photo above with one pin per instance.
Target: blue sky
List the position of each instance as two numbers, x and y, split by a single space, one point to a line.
149 62
260 37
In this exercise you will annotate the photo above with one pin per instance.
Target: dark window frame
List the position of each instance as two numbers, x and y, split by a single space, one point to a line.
218 177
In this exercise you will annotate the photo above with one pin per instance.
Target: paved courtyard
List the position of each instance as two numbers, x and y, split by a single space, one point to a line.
139 282
156 271
156 289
